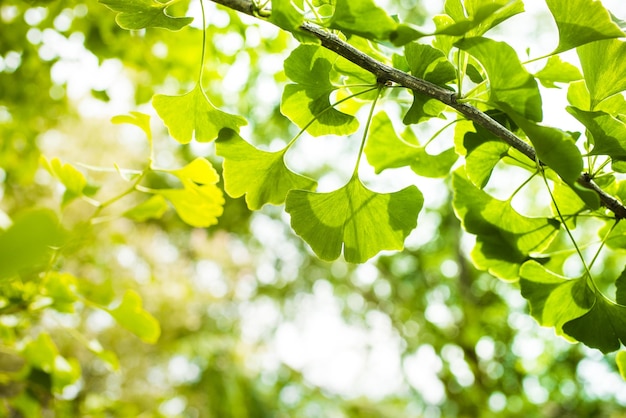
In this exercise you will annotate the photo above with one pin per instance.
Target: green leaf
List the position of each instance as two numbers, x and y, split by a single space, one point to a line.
131 315
620 360
200 202
580 22
153 208
512 88
140 14
603 327
363 18
262 176
404 33
361 221
140 120
504 238
557 71
429 63
422 109
608 133
554 300
61 288
604 67
385 149
41 353
28 243
193 112
620 288
73 180
475 17
307 103
285 15
481 161
555 148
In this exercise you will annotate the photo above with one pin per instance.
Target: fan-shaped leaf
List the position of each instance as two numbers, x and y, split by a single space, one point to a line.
512 88
262 176
131 315
604 67
580 22
140 14
193 112
361 221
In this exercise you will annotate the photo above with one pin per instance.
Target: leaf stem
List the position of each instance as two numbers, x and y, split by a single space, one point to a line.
366 130
202 55
562 219
125 193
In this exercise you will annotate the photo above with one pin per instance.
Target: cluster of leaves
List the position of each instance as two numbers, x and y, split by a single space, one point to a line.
361 223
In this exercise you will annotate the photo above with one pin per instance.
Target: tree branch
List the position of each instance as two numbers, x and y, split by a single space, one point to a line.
385 73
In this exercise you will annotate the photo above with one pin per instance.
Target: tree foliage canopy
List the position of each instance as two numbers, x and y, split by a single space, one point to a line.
412 154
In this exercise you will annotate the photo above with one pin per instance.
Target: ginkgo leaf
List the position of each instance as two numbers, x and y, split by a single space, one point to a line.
198 206
504 238
475 17
429 63
481 161
556 148
307 103
28 243
73 180
198 171
153 208
580 22
602 327
262 176
512 88
557 71
385 149
41 352
603 80
363 18
354 218
285 15
194 113
609 133
554 299
140 14
141 120
200 202
131 315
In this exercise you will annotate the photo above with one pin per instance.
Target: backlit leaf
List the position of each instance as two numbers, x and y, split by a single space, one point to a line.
140 120
504 238
363 18
354 218
41 352
608 133
604 67
557 71
153 208
197 205
309 100
194 113
475 17
28 243
131 315
385 149
285 15
262 176
580 22
140 14
603 327
73 180
481 161
556 148
553 299
512 88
